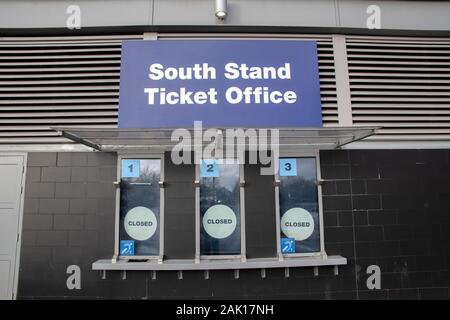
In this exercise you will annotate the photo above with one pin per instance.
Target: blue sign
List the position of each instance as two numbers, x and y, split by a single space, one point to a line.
288 167
131 168
127 247
223 83
209 168
287 245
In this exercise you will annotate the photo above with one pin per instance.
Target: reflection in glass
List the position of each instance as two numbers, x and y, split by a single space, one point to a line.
140 200
220 217
299 196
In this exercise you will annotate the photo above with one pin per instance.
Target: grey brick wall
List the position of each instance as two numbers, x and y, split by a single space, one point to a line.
389 208
68 219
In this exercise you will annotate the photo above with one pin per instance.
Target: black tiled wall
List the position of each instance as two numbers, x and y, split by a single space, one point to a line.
389 208
179 224
260 222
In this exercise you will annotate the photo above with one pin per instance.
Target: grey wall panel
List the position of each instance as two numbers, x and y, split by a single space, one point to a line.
397 15
407 15
249 12
49 13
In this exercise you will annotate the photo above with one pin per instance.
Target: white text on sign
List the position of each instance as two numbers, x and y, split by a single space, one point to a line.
233 95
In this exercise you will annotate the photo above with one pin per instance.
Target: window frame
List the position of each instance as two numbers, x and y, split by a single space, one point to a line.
198 256
300 154
139 156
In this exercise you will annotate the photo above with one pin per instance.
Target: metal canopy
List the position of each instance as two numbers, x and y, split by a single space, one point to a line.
113 139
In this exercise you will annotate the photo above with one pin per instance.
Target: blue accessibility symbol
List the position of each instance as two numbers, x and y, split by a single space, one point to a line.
287 245
127 247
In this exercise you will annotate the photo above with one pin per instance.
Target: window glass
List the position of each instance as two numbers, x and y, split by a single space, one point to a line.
220 216
299 208
139 207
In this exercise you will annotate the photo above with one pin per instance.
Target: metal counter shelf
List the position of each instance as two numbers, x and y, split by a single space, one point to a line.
231 264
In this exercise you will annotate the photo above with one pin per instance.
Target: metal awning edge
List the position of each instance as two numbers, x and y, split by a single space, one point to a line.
67 134
71 134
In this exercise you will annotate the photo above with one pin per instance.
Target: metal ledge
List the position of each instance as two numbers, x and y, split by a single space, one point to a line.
260 263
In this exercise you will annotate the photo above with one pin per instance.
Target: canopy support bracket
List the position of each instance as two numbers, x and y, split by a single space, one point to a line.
77 139
372 132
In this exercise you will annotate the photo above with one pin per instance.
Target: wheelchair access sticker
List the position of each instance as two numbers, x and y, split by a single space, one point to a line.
127 247
287 245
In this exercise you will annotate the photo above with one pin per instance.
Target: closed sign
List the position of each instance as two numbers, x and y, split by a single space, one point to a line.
297 223
219 221
140 223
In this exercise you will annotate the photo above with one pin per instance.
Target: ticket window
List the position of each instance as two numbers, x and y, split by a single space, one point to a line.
140 203
220 208
299 210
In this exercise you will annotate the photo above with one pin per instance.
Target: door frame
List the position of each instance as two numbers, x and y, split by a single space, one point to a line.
15 279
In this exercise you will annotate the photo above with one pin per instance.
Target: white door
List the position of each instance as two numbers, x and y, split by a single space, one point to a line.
11 179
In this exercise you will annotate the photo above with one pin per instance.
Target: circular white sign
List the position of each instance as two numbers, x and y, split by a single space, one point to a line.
140 223
219 221
297 223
